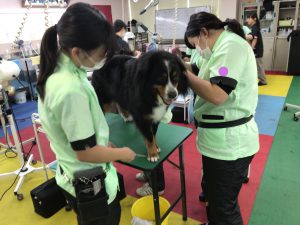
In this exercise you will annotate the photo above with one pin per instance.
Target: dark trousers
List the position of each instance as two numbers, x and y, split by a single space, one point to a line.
221 184
113 217
160 177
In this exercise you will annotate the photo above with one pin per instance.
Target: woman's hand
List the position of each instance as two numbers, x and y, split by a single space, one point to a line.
111 145
206 90
127 154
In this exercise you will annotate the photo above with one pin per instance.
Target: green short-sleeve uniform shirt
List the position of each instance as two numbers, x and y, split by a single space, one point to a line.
195 57
71 112
233 65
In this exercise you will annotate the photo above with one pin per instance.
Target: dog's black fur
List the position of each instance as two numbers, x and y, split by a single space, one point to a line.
136 85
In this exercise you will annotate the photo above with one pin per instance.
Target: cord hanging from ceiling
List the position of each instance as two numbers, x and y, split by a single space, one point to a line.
21 27
46 12
175 23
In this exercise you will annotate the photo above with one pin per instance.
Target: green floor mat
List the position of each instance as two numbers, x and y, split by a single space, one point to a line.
278 198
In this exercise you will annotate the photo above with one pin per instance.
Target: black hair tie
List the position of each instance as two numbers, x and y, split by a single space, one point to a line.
223 24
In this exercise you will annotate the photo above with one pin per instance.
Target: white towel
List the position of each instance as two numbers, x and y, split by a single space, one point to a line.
139 221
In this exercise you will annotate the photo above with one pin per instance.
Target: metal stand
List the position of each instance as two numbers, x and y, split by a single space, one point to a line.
36 122
25 167
32 96
5 131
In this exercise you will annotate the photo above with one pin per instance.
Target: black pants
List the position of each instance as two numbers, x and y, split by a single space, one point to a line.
221 184
113 217
160 177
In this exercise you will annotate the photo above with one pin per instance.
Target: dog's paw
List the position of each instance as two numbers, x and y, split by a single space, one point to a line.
153 158
128 119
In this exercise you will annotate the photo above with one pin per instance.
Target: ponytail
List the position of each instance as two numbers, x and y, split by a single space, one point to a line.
81 26
48 58
235 27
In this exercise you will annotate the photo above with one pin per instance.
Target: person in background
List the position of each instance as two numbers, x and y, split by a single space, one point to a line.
257 46
70 112
227 94
120 31
122 46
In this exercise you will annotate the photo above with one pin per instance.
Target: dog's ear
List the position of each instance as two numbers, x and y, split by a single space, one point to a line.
182 82
142 67
99 85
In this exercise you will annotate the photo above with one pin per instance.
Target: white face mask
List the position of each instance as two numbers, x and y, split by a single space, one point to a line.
97 65
204 53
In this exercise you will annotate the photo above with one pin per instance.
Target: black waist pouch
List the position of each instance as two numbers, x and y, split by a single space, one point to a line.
121 193
91 194
47 198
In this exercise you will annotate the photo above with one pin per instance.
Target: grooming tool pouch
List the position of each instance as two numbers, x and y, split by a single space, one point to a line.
121 192
91 194
47 198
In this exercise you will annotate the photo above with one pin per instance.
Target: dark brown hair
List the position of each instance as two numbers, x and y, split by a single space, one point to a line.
81 26
206 20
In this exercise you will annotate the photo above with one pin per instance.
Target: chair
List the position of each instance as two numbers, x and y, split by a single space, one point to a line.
184 102
296 107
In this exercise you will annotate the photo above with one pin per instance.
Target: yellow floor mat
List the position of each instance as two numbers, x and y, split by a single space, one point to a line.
14 212
278 85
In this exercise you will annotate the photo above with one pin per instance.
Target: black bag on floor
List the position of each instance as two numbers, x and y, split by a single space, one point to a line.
178 114
47 198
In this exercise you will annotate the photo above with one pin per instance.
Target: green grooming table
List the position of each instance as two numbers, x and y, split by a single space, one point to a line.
169 138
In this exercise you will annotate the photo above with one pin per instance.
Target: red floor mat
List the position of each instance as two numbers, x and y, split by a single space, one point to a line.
192 159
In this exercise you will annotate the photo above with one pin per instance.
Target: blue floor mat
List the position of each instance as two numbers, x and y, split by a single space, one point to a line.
268 113
22 114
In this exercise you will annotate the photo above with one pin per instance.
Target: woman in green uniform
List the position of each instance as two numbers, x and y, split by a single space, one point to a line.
69 109
227 135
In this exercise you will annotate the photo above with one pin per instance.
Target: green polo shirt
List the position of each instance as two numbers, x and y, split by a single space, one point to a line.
167 117
232 57
71 112
195 57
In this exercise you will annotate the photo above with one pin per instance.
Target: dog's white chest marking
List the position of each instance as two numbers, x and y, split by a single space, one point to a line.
159 111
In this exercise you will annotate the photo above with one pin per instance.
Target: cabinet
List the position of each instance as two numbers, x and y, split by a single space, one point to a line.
281 54
141 40
268 52
276 25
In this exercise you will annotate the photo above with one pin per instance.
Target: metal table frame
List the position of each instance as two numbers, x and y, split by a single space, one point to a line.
169 138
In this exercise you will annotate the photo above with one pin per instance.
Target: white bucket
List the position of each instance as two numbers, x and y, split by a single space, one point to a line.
20 97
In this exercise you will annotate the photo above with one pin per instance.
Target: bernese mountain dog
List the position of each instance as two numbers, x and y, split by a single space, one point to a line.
142 89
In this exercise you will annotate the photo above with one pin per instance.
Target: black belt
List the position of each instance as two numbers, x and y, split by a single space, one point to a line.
226 124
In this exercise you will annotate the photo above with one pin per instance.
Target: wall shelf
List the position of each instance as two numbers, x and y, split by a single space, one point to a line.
275 27
290 8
